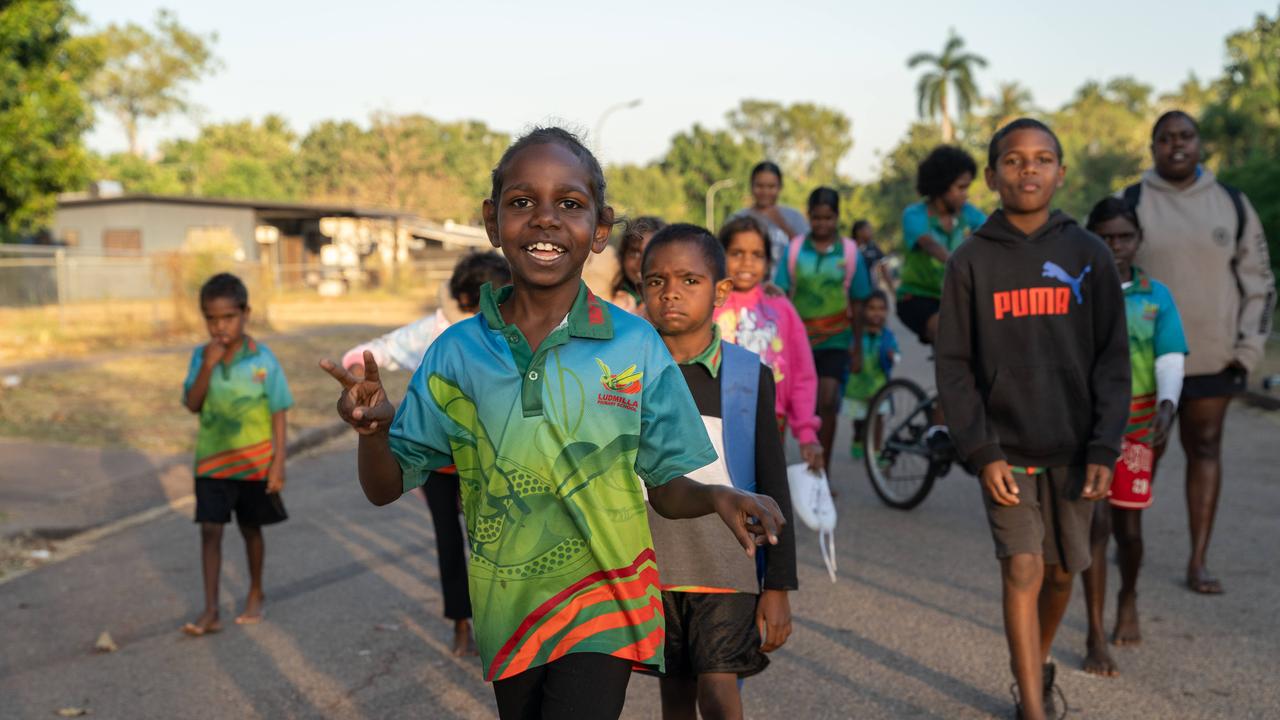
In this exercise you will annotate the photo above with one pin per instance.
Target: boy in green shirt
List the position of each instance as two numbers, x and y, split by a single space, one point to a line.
549 404
237 387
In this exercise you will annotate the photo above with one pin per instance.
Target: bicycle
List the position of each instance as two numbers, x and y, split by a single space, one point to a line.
900 464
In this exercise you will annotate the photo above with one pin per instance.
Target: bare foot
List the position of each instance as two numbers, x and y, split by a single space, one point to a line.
1097 661
1127 631
253 612
1199 580
463 644
206 624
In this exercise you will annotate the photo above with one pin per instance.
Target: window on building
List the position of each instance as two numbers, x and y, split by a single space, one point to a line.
122 242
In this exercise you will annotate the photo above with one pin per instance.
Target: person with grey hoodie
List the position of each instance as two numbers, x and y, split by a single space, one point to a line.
1205 241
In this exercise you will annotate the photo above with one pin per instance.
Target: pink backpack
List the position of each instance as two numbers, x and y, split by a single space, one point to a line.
850 268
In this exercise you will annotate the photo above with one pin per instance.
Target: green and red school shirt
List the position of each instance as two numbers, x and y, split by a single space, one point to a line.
819 293
234 441
1155 329
551 447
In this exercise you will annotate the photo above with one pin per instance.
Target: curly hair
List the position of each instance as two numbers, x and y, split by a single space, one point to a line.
553 136
941 168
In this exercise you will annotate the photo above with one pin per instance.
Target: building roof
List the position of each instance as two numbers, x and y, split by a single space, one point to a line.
270 208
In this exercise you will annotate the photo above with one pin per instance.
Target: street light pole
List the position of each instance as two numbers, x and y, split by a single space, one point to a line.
711 199
599 146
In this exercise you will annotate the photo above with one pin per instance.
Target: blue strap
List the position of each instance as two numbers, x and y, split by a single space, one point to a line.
739 393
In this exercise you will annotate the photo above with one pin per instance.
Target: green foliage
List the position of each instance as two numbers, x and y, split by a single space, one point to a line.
806 140
1105 133
700 157
237 160
42 115
144 74
635 190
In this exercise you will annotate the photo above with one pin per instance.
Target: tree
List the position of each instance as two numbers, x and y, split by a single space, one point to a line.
145 74
1011 102
237 160
953 69
43 115
1105 134
635 190
805 139
700 157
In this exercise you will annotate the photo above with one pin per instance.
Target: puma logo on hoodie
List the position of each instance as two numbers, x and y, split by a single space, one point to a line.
1025 302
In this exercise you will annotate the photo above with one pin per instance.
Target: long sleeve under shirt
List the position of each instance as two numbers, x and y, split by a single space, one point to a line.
701 554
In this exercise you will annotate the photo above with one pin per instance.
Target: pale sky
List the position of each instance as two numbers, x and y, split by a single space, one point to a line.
516 64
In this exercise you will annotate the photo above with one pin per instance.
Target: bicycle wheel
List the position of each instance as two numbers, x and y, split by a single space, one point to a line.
898 463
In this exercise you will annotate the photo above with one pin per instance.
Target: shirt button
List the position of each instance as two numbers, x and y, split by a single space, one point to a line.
513 339
533 374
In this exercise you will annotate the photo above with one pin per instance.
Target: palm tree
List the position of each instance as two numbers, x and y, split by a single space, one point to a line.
952 69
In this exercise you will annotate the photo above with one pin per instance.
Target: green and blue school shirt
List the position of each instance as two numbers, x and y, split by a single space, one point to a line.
234 440
878 350
921 272
551 447
819 293
1155 329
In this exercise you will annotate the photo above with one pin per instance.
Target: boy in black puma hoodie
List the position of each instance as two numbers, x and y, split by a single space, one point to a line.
1033 374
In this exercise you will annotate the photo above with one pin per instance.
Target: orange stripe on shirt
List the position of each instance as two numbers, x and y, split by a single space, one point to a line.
233 470
532 645
225 454
208 466
603 624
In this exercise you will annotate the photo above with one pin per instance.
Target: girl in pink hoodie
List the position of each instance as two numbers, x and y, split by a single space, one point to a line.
767 324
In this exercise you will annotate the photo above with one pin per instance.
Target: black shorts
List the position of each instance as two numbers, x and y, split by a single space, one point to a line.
914 311
1223 384
832 364
712 633
254 506
1051 519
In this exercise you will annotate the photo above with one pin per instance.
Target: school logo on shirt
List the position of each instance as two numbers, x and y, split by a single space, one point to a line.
259 374
1034 301
626 382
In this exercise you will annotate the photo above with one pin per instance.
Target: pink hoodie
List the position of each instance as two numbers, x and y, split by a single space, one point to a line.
771 328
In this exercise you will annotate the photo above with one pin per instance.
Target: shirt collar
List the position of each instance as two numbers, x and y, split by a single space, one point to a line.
711 356
587 318
1140 283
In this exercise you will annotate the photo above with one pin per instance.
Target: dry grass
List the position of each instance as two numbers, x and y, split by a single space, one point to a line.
136 401
79 329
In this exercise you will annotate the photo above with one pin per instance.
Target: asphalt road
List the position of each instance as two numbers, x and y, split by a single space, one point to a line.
912 628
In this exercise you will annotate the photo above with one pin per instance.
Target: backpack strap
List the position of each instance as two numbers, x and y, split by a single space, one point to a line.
1237 201
850 268
793 258
739 393
1132 195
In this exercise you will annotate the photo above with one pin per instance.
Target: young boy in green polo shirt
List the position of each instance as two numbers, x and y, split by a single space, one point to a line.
551 402
237 387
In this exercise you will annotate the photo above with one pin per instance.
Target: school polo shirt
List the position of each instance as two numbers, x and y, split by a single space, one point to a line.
548 445
234 440
819 294
1155 329
921 272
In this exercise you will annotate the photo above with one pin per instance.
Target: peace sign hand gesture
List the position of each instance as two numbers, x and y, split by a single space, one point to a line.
363 403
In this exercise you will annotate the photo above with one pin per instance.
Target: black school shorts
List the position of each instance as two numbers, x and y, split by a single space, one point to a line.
253 505
1229 382
712 633
832 363
914 311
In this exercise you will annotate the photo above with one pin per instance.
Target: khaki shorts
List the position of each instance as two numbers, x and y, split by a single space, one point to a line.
1050 519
